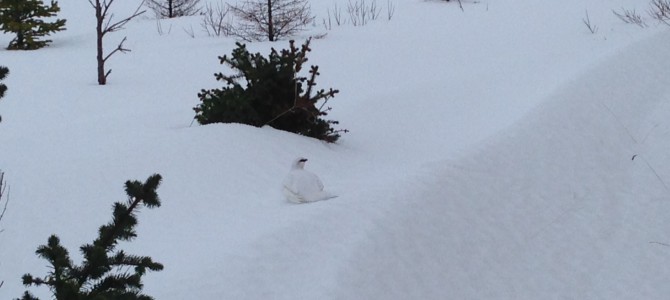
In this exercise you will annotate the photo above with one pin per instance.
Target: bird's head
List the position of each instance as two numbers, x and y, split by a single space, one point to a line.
299 163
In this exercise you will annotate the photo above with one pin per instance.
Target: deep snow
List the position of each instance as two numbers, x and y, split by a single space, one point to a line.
490 157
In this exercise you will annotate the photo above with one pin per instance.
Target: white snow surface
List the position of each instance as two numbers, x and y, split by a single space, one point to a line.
490 157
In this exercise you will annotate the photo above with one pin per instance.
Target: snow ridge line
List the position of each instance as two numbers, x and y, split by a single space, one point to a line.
558 184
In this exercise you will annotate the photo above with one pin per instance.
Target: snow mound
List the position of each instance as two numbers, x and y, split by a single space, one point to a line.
554 207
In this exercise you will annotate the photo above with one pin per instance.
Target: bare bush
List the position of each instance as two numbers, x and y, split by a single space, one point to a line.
660 11
336 15
270 19
362 12
215 20
630 17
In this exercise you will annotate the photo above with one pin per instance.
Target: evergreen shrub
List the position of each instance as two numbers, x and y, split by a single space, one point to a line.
269 91
3 88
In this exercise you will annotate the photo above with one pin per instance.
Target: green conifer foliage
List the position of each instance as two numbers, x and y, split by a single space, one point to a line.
24 18
3 88
106 273
269 91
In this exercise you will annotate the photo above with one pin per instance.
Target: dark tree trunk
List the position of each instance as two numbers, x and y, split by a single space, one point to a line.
20 41
271 30
170 12
102 79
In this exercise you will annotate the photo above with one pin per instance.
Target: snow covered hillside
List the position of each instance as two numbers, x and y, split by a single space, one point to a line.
500 152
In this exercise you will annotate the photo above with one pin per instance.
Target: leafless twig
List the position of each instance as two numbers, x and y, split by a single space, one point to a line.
3 189
630 17
4 192
659 243
390 10
337 14
361 12
660 179
587 21
660 10
159 28
215 21
189 31
103 6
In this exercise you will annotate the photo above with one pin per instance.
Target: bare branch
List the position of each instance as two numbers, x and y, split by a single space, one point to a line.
4 207
587 21
4 192
3 189
362 12
660 11
119 48
214 20
189 31
390 10
630 17
119 25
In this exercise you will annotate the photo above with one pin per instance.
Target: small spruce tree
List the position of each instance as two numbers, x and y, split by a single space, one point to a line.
106 273
269 91
173 8
258 20
24 18
3 88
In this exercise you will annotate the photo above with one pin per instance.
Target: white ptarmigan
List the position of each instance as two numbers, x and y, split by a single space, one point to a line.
301 186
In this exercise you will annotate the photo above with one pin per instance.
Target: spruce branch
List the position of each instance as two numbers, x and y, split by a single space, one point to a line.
102 275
